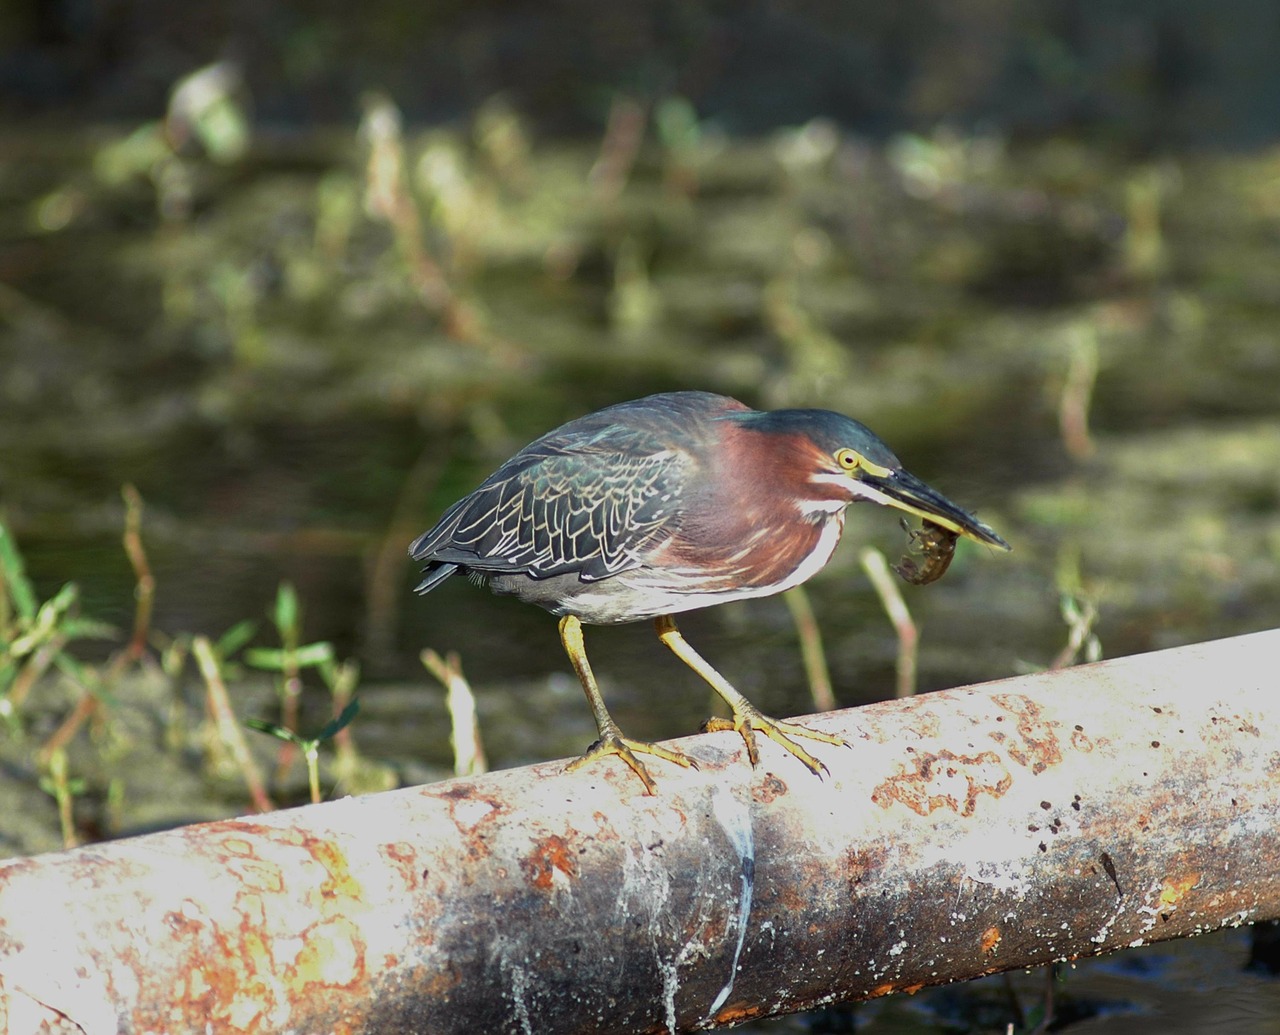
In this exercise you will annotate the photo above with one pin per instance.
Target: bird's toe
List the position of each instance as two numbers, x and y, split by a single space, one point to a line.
627 749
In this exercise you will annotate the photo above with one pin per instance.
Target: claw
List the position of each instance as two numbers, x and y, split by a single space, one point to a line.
627 749
748 721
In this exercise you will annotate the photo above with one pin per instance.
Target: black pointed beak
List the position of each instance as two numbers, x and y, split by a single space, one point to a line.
905 491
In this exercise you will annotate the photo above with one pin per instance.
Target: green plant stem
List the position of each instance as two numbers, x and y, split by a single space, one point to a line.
225 721
877 569
145 590
311 752
812 653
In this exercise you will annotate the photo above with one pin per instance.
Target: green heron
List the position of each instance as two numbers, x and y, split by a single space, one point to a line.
666 504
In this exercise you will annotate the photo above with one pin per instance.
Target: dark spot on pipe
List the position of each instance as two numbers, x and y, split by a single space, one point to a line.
1110 867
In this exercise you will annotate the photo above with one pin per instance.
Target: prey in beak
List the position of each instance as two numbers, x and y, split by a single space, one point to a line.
943 521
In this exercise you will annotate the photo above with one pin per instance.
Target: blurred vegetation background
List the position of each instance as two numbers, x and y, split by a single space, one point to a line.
301 275
279 282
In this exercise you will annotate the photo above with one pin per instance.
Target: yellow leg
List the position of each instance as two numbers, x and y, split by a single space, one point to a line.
747 718
611 741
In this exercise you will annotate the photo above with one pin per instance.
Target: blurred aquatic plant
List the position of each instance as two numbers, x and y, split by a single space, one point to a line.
1078 606
337 208
686 143
904 626
60 208
1077 391
133 156
34 639
34 635
812 653
58 783
387 198
309 746
226 733
929 166
174 652
207 119
210 107
468 749
341 678
807 148
619 147
238 291
288 660
453 203
1079 611
1080 615
145 585
1146 192
502 138
634 304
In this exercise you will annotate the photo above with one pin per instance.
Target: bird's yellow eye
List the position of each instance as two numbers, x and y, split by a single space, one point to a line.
848 459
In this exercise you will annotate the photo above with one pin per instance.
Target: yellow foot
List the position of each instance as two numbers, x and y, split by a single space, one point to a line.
747 721
627 749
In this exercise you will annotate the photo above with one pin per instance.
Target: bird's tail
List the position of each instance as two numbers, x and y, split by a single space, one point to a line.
435 574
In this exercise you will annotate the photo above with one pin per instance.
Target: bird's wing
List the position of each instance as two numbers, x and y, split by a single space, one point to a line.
593 510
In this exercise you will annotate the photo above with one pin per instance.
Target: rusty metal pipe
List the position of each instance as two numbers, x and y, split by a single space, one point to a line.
1034 819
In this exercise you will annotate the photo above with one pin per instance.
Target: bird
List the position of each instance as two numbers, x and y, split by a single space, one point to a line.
669 503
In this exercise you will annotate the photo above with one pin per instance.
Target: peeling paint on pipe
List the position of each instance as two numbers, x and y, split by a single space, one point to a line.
968 831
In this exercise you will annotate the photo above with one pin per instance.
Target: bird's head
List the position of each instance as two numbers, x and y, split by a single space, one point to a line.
832 461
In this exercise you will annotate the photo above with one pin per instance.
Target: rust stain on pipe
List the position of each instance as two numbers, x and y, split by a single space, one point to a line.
1039 748
404 858
251 974
969 831
339 883
944 779
736 1013
550 856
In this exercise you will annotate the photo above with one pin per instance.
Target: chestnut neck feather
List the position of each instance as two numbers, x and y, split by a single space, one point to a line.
754 519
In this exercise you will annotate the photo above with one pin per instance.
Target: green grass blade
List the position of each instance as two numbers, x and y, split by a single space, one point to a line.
334 726
276 730
14 576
